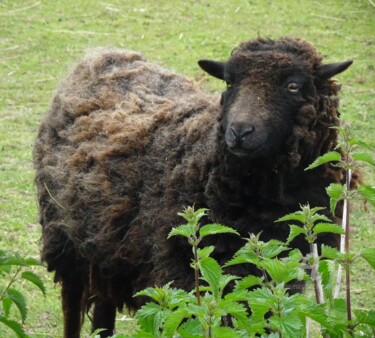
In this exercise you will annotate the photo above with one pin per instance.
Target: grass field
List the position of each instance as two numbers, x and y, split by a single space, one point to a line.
41 40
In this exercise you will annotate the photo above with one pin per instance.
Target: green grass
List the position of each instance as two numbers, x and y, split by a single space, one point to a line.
41 40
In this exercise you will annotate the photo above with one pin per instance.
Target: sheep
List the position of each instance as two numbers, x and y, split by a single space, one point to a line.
127 144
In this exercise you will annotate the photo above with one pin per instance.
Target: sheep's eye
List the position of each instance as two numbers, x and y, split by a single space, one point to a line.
293 87
229 84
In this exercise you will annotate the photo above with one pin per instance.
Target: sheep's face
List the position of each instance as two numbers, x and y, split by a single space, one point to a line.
265 92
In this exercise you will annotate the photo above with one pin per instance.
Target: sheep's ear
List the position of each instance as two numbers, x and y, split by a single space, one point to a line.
325 72
214 68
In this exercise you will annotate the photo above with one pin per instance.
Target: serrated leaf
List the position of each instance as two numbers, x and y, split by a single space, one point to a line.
289 325
316 312
336 193
365 317
206 251
158 294
7 303
327 273
331 253
319 217
226 279
369 256
364 157
278 270
173 321
211 273
146 316
328 227
185 230
296 216
295 230
192 215
260 301
140 334
32 262
14 326
192 328
225 332
247 282
35 279
214 229
368 193
19 300
335 190
273 248
159 321
332 156
243 256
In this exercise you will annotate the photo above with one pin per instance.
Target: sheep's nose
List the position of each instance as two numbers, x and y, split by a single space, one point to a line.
240 134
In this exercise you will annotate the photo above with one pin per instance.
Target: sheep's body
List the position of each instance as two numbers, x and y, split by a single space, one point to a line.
127 145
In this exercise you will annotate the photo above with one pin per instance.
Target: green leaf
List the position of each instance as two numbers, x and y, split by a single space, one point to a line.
14 326
327 272
20 301
7 303
336 193
273 248
328 227
295 230
369 256
174 320
214 229
225 280
191 215
140 334
332 156
279 270
205 252
211 273
365 317
243 256
192 328
315 311
260 301
331 253
364 157
237 310
146 316
247 282
35 279
319 217
368 193
185 230
296 216
289 325
225 332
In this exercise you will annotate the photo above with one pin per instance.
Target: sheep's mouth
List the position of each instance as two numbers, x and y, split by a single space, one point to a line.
246 153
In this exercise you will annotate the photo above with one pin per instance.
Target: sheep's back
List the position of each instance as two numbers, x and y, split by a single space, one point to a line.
116 141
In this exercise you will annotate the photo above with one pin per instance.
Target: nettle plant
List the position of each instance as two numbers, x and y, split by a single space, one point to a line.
14 270
263 305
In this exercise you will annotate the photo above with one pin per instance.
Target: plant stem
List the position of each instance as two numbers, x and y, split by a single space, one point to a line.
315 273
347 248
12 280
196 273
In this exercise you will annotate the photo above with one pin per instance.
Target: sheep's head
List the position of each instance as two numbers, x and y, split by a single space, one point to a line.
268 84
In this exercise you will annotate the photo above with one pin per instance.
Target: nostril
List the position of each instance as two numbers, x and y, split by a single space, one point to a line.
239 134
234 132
247 131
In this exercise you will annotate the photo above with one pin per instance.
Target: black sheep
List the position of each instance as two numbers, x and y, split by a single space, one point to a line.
127 144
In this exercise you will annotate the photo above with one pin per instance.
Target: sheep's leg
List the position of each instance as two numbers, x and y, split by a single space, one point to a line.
71 293
104 317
